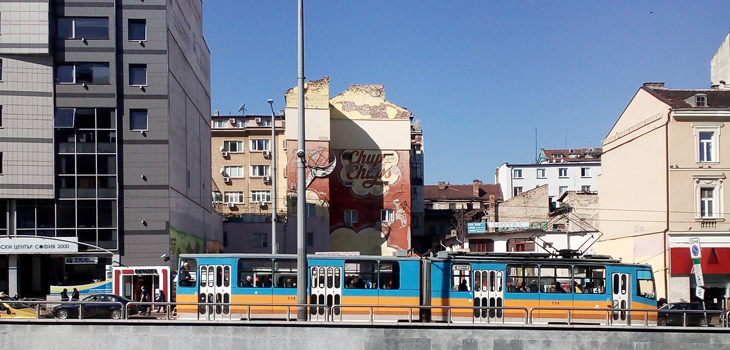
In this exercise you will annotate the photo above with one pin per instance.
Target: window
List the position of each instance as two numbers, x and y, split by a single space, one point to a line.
64 118
190 268
520 245
350 216
83 73
1 70
387 215
265 122
645 282
701 100
220 124
555 279
83 28
233 171
585 188
708 198
389 275
255 272
589 279
360 274
561 190
516 191
541 173
707 142
260 170
137 30
416 170
259 145
233 197
241 123
233 146
1 116
1 162
481 245
461 277
522 278
585 172
562 172
138 119
138 74
310 239
260 196
285 273
310 210
518 173
259 240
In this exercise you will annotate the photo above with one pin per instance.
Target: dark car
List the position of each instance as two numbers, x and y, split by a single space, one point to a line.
673 315
96 306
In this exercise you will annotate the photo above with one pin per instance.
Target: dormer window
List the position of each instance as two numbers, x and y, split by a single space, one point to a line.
701 100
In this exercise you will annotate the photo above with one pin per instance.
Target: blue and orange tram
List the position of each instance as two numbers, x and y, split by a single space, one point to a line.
453 287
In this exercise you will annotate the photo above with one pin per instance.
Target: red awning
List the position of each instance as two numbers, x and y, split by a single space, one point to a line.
714 261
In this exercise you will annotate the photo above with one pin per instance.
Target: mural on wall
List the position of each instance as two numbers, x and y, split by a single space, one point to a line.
320 165
182 242
371 183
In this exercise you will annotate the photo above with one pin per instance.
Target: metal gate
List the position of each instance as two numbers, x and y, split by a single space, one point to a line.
621 297
326 291
488 293
215 287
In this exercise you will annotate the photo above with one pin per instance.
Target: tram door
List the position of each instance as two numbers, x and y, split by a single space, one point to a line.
215 287
621 297
488 292
326 291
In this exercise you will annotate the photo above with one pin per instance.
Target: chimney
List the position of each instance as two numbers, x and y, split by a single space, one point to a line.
442 185
475 188
654 85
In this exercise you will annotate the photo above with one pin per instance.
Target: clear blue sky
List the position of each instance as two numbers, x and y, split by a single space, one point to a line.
481 75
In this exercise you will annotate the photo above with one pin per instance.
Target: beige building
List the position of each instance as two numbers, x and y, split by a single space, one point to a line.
241 165
664 164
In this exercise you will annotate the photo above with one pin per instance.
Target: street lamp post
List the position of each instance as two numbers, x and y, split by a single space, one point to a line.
301 194
274 245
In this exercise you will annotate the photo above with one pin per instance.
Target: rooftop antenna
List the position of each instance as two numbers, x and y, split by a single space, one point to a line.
242 109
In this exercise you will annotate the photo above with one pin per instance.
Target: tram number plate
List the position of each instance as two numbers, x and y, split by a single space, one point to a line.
556 303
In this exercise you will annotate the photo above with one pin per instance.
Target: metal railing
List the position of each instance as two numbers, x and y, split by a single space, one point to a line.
336 313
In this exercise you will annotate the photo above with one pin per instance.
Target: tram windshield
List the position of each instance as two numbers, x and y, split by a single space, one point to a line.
645 282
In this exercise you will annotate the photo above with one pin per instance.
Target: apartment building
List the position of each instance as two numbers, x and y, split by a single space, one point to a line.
561 169
105 139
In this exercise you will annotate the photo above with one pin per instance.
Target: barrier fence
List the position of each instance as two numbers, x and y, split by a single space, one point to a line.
335 313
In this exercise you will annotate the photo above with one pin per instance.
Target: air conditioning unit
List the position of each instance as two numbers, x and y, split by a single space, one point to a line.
258 120
263 204
224 153
267 154
232 121
267 179
231 205
226 179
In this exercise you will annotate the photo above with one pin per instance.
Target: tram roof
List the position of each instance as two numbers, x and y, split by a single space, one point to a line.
530 257
294 256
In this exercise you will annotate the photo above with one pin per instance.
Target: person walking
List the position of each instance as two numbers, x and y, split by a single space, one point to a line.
161 299
64 295
75 295
144 297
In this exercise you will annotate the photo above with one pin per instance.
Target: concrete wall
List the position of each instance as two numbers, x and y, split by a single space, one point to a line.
182 336
720 64
24 27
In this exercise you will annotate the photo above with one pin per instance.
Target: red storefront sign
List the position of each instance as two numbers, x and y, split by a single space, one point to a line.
713 261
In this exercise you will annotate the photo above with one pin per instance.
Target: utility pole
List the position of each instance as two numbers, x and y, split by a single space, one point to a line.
301 191
274 245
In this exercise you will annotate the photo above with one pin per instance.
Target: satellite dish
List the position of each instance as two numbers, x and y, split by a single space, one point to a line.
242 108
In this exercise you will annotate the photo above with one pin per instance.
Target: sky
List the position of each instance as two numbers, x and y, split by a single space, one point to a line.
482 76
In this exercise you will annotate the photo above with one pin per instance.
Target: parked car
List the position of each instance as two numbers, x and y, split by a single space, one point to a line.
672 315
11 308
113 308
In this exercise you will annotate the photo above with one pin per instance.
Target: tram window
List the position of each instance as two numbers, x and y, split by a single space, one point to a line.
186 274
615 283
285 273
645 284
389 275
589 279
460 277
227 276
555 279
623 284
219 276
522 278
361 274
258 269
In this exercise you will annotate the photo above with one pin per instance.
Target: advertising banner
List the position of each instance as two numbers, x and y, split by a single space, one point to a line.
37 245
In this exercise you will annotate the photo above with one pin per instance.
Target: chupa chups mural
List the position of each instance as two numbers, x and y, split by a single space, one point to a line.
369 182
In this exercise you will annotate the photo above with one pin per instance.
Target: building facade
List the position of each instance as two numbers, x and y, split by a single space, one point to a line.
664 165
105 138
358 148
562 170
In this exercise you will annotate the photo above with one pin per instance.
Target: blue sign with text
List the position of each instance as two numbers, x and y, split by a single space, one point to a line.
477 227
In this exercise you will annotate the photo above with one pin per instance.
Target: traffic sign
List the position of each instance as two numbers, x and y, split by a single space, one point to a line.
700 292
699 277
695 250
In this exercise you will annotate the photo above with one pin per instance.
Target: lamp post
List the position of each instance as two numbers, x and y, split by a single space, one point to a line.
274 245
301 194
